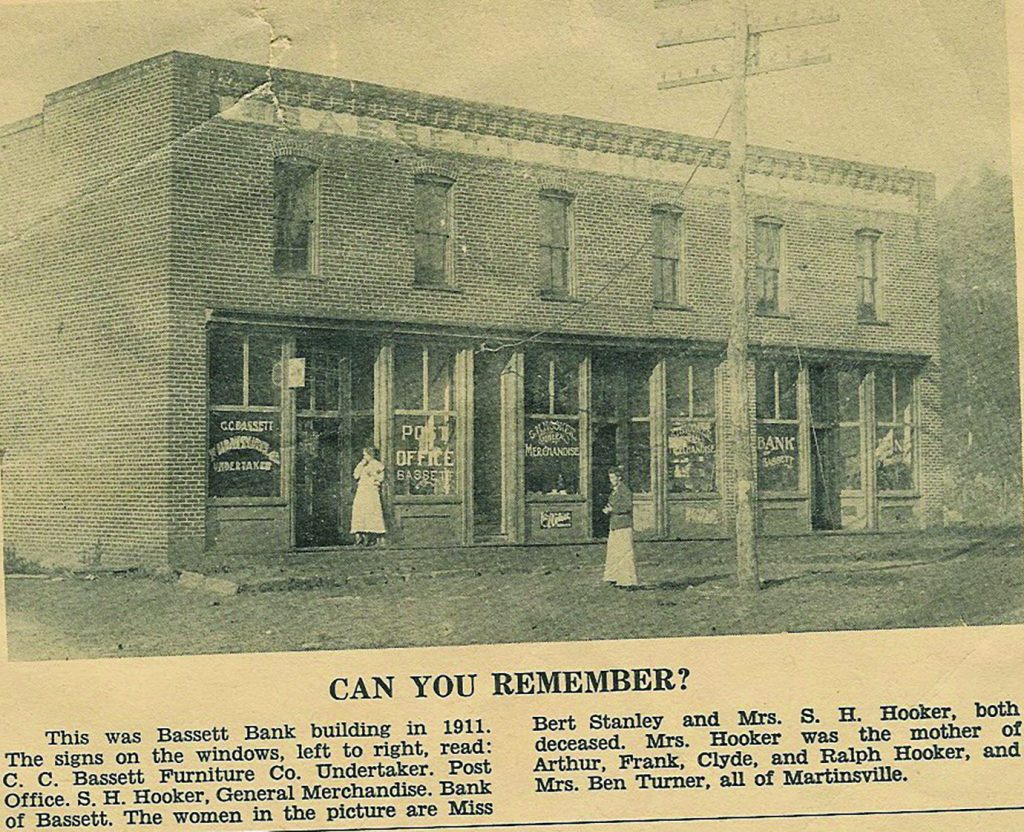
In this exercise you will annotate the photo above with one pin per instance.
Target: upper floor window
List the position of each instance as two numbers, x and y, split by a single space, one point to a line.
434 217
556 244
666 232
867 275
294 215
768 247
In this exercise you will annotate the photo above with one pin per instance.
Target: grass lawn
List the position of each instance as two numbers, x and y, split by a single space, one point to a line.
535 594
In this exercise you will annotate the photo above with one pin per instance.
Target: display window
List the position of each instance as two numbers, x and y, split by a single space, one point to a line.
244 427
425 456
551 390
692 445
778 427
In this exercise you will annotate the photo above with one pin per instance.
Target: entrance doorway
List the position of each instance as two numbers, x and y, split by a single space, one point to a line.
333 423
826 481
488 446
620 426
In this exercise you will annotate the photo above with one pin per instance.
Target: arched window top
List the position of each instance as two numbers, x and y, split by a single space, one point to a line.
666 207
434 170
554 183
557 193
872 233
311 149
296 160
769 219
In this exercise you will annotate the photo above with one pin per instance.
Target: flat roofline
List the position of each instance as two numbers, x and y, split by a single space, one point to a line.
98 81
346 88
19 126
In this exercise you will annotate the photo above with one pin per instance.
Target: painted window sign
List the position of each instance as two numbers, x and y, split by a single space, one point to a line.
556 519
552 451
244 455
424 455
778 457
691 456
552 437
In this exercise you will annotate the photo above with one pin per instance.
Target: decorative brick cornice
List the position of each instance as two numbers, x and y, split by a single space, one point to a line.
359 98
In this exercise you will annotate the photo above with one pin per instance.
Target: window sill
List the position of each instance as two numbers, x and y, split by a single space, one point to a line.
872 322
780 315
298 275
899 495
545 294
244 502
427 499
781 495
672 305
438 287
688 496
533 497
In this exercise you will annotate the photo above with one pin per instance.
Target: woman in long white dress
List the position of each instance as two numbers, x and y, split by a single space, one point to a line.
367 512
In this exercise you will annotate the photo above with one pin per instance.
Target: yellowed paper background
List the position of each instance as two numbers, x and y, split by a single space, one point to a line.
783 673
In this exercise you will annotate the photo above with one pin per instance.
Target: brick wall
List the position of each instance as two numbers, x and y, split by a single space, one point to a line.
84 325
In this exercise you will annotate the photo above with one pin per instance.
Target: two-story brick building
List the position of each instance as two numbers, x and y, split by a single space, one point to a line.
220 282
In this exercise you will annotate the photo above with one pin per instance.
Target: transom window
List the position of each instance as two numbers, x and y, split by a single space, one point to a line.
768 247
666 232
556 243
294 214
433 230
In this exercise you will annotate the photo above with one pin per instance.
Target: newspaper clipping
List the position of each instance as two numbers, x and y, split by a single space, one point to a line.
464 415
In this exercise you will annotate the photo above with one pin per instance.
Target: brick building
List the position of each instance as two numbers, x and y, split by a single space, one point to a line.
219 282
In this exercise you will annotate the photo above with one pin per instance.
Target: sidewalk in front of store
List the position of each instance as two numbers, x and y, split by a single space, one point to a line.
351 599
687 561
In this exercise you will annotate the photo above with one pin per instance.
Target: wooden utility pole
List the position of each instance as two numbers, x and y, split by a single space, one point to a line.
747 572
744 37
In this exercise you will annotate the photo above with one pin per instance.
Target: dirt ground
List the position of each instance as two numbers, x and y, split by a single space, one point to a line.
547 594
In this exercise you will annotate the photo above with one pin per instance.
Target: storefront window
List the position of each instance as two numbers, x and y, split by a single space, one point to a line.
895 430
778 428
692 444
551 390
244 448
361 396
849 382
638 409
424 420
